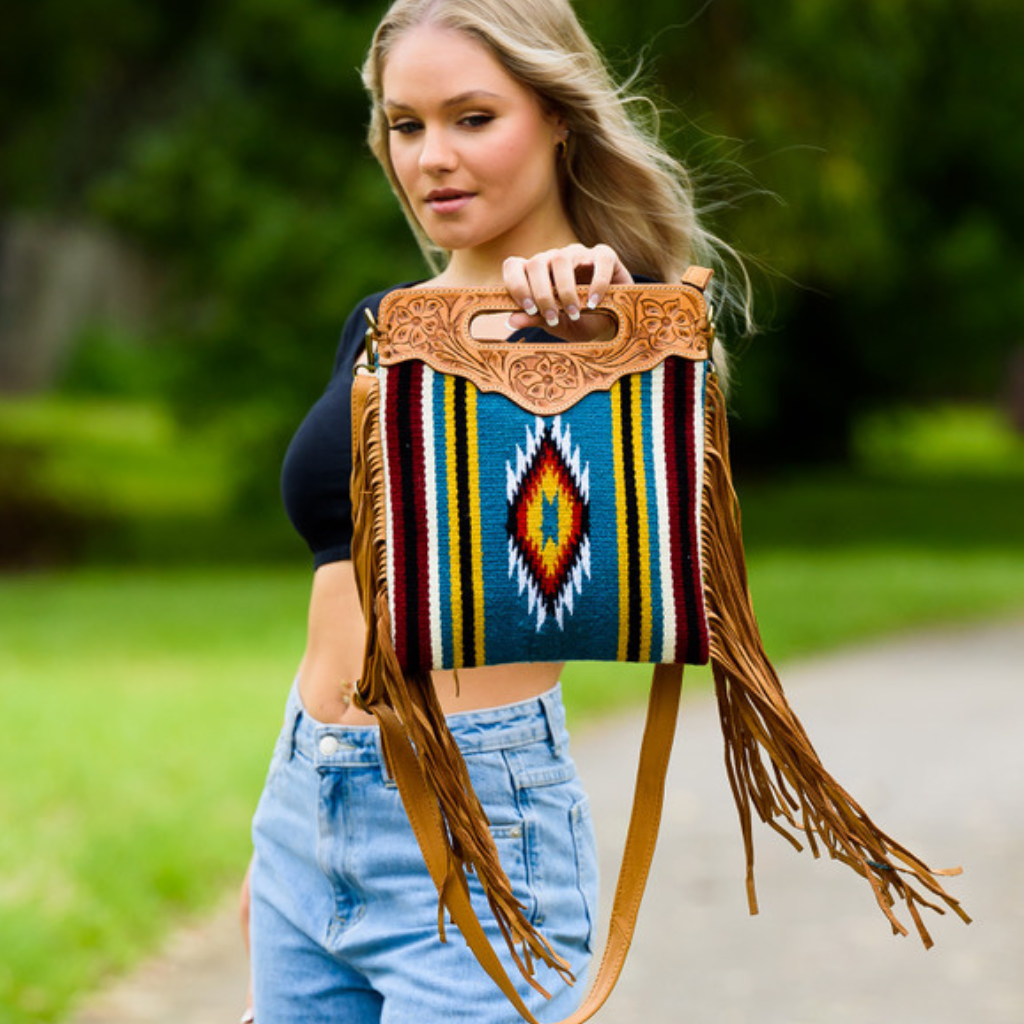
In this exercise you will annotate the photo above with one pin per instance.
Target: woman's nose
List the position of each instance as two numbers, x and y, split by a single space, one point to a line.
437 154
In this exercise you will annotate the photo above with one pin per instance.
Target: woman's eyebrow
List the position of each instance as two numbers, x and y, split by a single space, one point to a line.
454 101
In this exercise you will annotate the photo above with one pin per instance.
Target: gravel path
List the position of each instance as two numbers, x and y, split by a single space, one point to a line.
925 731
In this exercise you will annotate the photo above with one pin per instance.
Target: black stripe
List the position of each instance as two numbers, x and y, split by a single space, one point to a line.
632 520
411 566
463 504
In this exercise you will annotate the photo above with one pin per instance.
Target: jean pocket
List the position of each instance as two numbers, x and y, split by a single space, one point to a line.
585 848
511 841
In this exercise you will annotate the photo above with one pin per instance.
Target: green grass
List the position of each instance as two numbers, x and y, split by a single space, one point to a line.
120 480
138 710
136 717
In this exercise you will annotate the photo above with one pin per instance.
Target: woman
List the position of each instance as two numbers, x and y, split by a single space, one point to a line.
513 156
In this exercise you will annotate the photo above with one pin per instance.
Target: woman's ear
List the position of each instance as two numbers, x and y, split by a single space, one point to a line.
558 121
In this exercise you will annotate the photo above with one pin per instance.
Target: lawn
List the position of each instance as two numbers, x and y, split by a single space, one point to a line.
136 715
138 709
138 705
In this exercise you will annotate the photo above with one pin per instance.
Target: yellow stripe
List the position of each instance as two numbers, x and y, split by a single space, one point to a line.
620 516
476 534
646 615
453 525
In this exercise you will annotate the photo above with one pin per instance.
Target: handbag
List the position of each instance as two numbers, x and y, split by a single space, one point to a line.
524 501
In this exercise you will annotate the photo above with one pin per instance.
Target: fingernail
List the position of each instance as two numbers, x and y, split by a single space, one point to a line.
593 302
530 306
574 313
551 317
511 326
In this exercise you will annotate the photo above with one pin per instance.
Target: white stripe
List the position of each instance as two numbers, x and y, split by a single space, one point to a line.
668 605
434 594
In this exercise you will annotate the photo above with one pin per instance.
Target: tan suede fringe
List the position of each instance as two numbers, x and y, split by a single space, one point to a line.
414 701
758 723
772 767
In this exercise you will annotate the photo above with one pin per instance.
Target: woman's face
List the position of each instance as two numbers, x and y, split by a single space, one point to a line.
472 148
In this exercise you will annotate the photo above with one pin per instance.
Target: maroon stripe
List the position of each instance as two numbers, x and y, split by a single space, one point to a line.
420 546
675 510
687 589
407 528
396 511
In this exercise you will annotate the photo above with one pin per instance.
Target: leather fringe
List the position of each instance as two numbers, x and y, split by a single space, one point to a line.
414 701
773 769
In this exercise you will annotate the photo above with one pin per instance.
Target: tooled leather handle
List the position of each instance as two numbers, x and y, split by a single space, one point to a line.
654 321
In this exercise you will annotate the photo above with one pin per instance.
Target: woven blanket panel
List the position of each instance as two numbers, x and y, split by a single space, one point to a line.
514 538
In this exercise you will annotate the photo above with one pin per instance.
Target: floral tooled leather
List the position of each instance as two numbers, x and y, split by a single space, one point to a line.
433 325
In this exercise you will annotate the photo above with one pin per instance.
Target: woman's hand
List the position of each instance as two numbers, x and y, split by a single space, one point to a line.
545 287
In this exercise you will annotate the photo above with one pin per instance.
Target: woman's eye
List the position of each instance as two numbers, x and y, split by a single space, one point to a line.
404 127
477 120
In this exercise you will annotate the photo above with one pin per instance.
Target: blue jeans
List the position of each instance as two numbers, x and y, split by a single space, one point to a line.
344 914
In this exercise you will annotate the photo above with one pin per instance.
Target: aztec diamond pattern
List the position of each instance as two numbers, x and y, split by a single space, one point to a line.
548 521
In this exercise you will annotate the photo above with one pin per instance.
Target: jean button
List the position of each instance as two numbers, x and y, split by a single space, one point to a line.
329 745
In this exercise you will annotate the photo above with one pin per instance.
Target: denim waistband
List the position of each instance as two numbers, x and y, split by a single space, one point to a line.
499 728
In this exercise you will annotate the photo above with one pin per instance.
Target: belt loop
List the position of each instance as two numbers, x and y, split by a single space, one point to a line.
378 743
554 716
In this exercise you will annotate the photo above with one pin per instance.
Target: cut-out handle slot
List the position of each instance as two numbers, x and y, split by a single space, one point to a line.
491 326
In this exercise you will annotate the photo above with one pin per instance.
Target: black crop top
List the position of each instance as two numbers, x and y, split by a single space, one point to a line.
318 463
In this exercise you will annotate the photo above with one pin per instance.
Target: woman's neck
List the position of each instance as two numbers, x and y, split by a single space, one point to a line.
483 266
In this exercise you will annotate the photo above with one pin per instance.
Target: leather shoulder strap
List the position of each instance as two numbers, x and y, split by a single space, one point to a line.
641 838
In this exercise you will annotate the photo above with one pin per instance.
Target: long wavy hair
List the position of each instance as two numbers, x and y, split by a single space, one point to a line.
620 185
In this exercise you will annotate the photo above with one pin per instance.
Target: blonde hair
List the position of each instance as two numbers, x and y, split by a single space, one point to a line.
620 186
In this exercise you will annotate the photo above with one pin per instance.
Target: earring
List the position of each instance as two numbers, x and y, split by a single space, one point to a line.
561 148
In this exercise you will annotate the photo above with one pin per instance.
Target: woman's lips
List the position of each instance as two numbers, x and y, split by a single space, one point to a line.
448 201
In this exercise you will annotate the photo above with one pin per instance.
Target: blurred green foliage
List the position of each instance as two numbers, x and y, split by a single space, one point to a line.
963 441
865 152
87 479
39 524
888 130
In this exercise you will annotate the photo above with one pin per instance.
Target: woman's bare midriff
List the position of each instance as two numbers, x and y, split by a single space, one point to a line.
334 658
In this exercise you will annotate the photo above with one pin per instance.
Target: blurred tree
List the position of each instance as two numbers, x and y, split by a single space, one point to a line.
227 135
888 130
257 189
74 78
